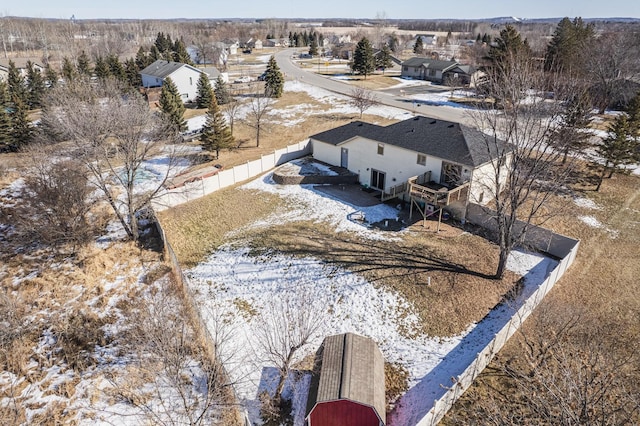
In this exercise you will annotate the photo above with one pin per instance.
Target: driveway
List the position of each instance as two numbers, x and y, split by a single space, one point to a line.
389 98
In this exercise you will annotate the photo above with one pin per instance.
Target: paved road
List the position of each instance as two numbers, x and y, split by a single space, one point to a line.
390 99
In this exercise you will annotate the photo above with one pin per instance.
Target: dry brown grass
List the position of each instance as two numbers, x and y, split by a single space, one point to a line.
197 228
458 268
276 136
376 81
602 285
457 265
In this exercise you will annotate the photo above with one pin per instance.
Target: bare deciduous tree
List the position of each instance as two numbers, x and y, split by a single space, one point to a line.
259 107
113 133
566 373
362 99
526 169
287 326
168 380
52 206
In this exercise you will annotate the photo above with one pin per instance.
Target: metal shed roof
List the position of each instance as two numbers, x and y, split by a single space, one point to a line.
352 368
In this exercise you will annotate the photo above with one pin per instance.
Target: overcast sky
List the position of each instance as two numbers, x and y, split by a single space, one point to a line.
398 9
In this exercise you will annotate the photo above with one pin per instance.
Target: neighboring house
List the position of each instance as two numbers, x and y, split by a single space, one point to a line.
428 40
462 75
445 156
350 387
216 54
276 42
231 46
214 73
427 69
21 65
184 76
253 44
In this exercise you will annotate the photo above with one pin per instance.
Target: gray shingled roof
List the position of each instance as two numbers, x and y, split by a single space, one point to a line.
352 368
432 64
161 69
449 141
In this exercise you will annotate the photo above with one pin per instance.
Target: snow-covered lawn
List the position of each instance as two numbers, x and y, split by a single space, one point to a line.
243 288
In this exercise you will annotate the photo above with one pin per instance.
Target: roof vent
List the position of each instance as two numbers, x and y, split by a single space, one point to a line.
416 118
434 122
359 124
450 126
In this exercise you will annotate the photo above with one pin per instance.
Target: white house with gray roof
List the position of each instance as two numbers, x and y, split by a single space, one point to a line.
450 155
184 76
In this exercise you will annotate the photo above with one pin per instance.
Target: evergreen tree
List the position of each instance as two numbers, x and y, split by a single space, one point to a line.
313 49
507 47
205 92
21 128
84 68
273 79
223 96
16 86
6 138
50 76
115 67
567 49
132 73
383 60
292 41
171 105
363 60
142 59
68 69
155 54
180 53
570 135
215 132
35 85
394 44
418 46
102 69
619 149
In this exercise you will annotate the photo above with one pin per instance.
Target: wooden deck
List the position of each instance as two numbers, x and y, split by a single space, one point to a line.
422 189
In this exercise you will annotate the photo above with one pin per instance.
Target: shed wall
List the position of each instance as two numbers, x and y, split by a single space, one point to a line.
343 413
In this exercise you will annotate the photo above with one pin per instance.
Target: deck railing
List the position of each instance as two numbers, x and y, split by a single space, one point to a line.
442 196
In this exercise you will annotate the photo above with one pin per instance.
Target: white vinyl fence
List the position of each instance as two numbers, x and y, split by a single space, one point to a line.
225 178
432 398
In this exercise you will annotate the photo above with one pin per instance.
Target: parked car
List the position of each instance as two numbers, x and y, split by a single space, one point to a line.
262 76
243 79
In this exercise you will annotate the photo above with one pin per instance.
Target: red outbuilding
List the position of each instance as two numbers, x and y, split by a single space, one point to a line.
349 389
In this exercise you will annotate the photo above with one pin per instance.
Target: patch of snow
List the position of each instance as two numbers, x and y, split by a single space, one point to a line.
264 58
306 203
586 203
591 221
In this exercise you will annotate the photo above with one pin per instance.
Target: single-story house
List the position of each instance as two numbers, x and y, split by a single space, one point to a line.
21 65
276 42
386 158
349 389
184 76
427 69
463 75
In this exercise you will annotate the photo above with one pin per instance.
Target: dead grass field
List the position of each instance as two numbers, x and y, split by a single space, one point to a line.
377 81
276 136
457 264
602 285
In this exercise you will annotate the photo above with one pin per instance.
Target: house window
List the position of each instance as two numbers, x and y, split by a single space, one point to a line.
185 95
422 159
380 149
405 68
432 73
190 81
